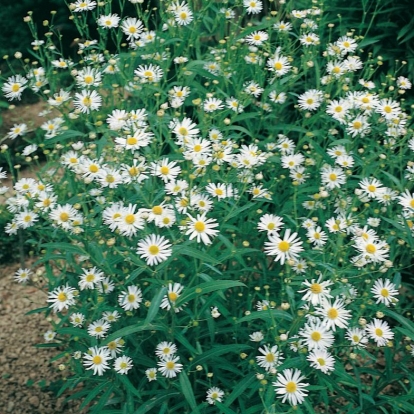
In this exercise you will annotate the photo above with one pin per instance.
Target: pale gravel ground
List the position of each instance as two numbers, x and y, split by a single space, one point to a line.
20 362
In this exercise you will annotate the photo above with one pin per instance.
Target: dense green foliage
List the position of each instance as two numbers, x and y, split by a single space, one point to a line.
226 212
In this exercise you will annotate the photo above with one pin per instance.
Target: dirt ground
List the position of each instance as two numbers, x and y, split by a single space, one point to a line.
25 371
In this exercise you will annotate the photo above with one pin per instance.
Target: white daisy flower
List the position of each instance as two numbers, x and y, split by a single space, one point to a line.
154 249
321 360
130 299
97 359
214 394
169 367
316 335
270 358
357 337
61 298
123 364
289 386
379 331
385 292
285 248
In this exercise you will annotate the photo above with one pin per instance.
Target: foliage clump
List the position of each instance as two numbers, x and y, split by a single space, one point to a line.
225 213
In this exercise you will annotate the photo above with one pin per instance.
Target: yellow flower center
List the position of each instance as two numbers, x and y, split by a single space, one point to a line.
130 218
371 188
357 125
170 365
172 296
333 177
131 141
278 66
316 336
316 288
199 226
157 210
370 248
97 360
385 293
284 246
110 178
332 313
131 298
270 357
64 216
61 297
90 277
112 345
93 168
291 387
164 170
88 79
321 362
87 101
15 87
133 171
183 131
387 109
153 249
379 332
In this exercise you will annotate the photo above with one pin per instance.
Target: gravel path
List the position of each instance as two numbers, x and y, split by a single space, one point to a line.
26 372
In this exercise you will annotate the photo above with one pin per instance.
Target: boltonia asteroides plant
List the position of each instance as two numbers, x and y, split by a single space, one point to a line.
225 213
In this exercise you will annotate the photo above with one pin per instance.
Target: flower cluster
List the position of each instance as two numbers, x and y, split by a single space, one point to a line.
234 199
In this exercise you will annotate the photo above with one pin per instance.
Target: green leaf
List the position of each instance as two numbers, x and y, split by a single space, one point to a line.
67 384
155 305
128 385
216 351
38 310
69 134
48 345
184 341
196 254
96 254
205 288
129 330
188 392
94 393
73 332
223 408
268 315
237 211
240 389
154 402
66 247
401 319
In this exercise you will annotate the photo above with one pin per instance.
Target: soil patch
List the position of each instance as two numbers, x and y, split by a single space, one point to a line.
26 373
